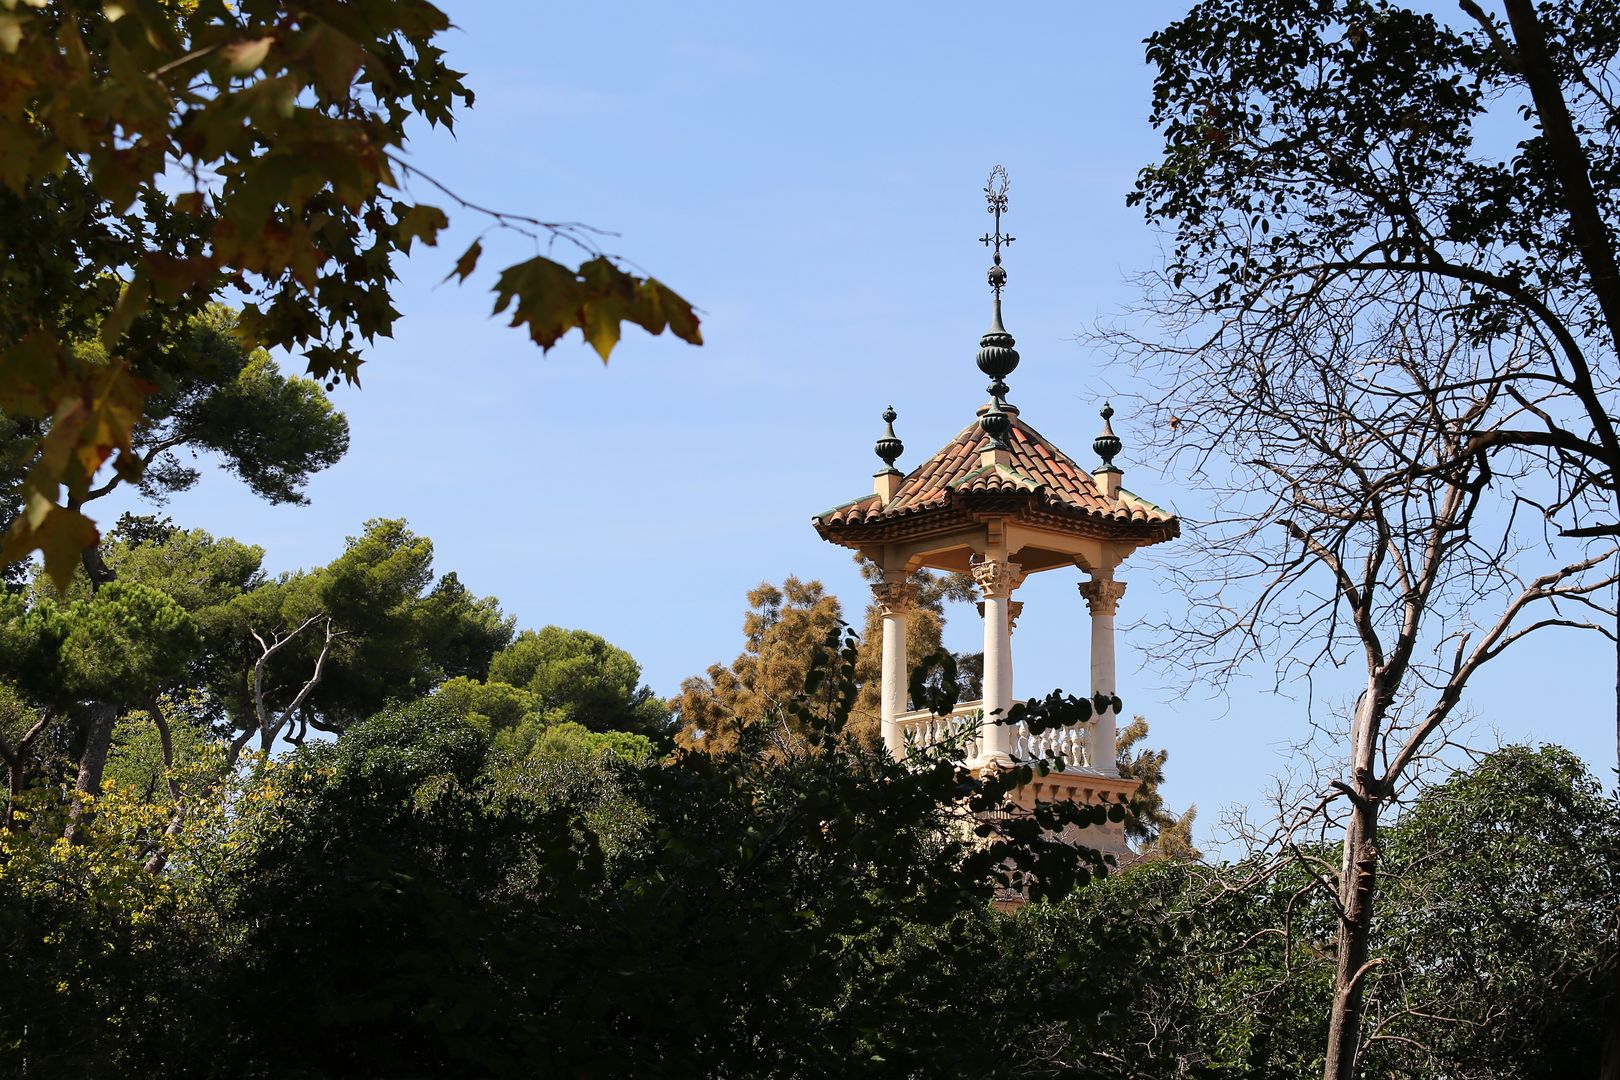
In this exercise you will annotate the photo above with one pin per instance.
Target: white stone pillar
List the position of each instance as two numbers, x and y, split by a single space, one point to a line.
1102 595
997 578
895 599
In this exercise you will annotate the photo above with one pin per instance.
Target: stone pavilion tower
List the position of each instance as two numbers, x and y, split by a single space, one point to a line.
1001 502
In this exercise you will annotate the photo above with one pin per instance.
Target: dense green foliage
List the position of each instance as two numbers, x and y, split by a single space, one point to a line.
554 688
435 907
254 658
1498 944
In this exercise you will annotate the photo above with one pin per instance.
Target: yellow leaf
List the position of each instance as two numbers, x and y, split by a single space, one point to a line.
131 302
59 534
10 32
243 57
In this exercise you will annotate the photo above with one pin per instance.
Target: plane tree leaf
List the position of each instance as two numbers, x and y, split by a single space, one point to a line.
289 120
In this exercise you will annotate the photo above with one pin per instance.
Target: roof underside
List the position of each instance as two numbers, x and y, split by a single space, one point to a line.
1039 484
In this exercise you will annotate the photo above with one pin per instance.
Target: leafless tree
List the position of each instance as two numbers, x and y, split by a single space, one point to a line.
1364 508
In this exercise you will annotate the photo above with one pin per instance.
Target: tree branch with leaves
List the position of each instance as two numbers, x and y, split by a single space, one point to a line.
156 157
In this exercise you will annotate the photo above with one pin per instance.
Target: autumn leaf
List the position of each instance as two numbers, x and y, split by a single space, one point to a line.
467 262
62 535
244 57
543 295
419 222
303 224
597 298
11 31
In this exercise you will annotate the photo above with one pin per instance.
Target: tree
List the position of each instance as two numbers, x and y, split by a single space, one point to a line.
787 625
1321 158
154 156
122 648
89 659
1499 948
209 394
325 648
186 572
770 913
1496 956
271 659
782 631
108 956
1358 534
1147 821
206 393
1198 982
575 676
561 693
1380 322
31 691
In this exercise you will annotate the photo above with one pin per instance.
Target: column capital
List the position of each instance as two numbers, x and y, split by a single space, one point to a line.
997 578
1102 594
895 597
1015 608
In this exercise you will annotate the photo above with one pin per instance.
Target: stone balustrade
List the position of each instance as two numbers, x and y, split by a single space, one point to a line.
921 728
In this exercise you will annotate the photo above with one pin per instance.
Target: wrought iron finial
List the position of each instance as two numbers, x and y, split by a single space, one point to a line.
997 358
1107 445
889 448
995 195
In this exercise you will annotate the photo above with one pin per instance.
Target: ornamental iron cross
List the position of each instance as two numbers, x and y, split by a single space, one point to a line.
995 195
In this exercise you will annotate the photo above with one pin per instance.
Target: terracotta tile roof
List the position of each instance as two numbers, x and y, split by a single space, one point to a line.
1039 476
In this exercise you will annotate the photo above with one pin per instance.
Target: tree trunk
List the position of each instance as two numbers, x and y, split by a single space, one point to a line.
1609 1067
1357 883
93 762
1609 1064
1568 157
1586 222
14 783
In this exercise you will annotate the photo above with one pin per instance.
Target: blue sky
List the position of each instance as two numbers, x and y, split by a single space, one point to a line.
810 178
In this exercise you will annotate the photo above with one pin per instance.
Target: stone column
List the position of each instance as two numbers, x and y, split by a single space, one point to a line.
997 578
895 600
1102 595
1015 608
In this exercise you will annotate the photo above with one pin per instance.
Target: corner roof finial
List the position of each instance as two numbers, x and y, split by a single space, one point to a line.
997 358
1107 445
889 447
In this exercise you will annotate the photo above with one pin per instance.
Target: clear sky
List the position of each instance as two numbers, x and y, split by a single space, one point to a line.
809 177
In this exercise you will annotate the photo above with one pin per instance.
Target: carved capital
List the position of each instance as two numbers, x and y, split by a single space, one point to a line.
1102 595
997 578
1015 608
895 597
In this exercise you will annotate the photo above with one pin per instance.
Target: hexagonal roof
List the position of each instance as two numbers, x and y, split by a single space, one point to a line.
1039 483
